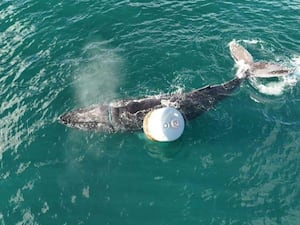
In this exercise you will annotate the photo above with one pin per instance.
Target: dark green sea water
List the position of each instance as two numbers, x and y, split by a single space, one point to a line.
237 164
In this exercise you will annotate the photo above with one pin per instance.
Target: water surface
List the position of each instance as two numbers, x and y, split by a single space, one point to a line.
237 164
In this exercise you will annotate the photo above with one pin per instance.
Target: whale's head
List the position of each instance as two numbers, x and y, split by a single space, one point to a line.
94 118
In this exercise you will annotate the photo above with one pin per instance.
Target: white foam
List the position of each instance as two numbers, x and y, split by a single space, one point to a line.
273 88
45 208
29 185
5 175
1 218
296 63
23 167
73 199
252 41
8 12
28 218
86 192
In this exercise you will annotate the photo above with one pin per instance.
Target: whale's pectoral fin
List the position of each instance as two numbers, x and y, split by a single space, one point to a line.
239 53
267 69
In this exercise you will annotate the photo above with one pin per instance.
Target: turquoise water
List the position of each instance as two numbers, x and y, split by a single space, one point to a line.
237 164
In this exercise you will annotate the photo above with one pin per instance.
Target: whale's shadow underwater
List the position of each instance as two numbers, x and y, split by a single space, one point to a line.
128 115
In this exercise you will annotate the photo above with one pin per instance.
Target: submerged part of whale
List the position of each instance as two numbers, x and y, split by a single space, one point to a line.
128 115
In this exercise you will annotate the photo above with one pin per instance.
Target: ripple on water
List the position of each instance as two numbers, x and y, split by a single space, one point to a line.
25 76
270 174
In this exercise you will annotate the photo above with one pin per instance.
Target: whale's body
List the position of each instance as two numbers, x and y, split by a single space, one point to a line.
128 115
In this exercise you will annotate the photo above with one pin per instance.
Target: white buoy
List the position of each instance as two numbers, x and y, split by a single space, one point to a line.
164 124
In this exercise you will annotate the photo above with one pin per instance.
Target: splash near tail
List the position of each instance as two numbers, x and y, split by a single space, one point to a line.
247 66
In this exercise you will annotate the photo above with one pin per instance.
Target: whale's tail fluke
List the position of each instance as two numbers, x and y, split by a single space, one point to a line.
247 66
240 54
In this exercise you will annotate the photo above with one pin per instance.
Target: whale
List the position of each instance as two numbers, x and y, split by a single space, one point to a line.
128 114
